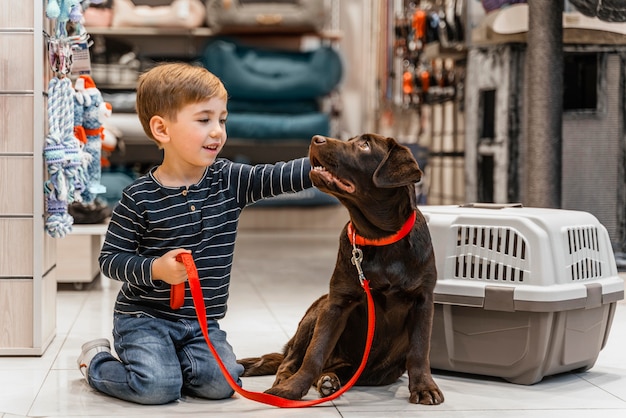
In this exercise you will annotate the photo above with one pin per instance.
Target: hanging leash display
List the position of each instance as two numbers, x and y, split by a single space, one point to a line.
177 299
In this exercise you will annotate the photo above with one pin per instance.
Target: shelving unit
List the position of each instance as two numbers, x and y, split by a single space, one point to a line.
171 41
182 43
28 256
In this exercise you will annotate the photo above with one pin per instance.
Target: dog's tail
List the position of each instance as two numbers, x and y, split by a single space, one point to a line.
261 366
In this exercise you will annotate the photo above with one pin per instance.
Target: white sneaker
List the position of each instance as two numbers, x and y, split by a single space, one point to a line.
89 350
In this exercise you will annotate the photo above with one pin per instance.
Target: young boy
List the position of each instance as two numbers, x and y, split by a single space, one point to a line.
190 203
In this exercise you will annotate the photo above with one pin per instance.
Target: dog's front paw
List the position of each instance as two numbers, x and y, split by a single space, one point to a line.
428 396
328 384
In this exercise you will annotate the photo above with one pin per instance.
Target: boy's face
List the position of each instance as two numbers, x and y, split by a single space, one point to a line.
198 133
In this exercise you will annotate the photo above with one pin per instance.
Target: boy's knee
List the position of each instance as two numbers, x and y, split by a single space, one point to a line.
157 394
215 390
216 386
220 390
156 389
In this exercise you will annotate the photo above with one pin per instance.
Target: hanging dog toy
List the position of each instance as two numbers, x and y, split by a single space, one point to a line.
61 154
89 112
64 11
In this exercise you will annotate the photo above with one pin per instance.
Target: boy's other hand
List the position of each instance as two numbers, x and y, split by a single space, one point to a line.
168 269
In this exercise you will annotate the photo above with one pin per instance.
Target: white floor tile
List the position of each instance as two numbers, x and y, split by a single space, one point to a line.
18 389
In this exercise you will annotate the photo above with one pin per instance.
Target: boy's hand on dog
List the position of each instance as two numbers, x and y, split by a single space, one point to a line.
168 269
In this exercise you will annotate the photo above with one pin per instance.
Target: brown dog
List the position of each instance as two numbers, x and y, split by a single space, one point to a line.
373 177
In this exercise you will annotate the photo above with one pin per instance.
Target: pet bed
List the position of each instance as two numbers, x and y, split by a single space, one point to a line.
268 16
279 126
253 73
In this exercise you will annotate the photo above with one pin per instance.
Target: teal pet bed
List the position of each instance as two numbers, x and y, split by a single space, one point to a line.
253 73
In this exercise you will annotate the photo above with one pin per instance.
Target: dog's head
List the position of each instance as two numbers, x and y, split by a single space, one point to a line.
361 165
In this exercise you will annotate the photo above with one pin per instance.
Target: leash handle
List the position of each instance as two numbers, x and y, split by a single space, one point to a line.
177 296
177 291
266 398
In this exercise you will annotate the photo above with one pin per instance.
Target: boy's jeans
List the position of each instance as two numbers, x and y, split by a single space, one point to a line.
162 360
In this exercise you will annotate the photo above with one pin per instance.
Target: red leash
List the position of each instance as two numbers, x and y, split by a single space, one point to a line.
177 297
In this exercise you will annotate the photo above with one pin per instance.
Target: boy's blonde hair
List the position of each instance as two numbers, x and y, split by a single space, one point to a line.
167 88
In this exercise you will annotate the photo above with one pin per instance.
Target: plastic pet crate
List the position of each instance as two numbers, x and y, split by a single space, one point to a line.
522 293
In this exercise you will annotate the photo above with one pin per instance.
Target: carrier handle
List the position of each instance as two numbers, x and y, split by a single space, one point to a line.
480 205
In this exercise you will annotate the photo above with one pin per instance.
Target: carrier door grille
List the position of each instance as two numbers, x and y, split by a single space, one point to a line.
490 253
583 253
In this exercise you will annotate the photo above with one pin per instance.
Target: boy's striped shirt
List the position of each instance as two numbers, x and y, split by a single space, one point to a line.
151 219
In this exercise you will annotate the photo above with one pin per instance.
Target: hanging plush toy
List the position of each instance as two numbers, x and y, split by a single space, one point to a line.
110 135
89 108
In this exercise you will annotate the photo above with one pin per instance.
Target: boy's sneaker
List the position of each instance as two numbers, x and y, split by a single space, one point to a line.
89 350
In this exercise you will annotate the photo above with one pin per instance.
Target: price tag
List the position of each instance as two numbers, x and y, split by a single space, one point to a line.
81 63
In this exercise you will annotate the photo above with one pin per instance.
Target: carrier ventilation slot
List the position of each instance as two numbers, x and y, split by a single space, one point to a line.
491 253
583 251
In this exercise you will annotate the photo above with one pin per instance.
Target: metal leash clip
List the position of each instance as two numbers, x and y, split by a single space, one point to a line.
357 258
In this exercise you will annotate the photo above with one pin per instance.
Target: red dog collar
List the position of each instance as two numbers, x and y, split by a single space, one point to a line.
403 232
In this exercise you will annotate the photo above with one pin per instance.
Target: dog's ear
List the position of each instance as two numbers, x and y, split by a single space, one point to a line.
398 168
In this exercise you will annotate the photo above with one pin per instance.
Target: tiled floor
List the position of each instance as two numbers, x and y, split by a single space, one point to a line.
275 278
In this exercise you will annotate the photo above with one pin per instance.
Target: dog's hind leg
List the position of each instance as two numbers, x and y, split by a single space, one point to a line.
261 366
330 323
295 350
298 344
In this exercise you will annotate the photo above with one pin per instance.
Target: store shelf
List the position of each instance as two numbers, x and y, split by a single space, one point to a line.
149 31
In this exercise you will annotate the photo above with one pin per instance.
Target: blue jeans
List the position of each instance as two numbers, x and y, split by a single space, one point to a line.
161 360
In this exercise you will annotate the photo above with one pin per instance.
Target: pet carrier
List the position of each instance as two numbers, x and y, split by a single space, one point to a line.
522 293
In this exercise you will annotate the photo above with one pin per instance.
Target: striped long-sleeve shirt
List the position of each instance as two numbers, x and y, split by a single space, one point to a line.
151 219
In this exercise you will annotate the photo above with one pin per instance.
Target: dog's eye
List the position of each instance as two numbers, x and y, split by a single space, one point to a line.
364 145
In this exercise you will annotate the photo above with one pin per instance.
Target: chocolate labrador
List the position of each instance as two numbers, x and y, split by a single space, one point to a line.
373 177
